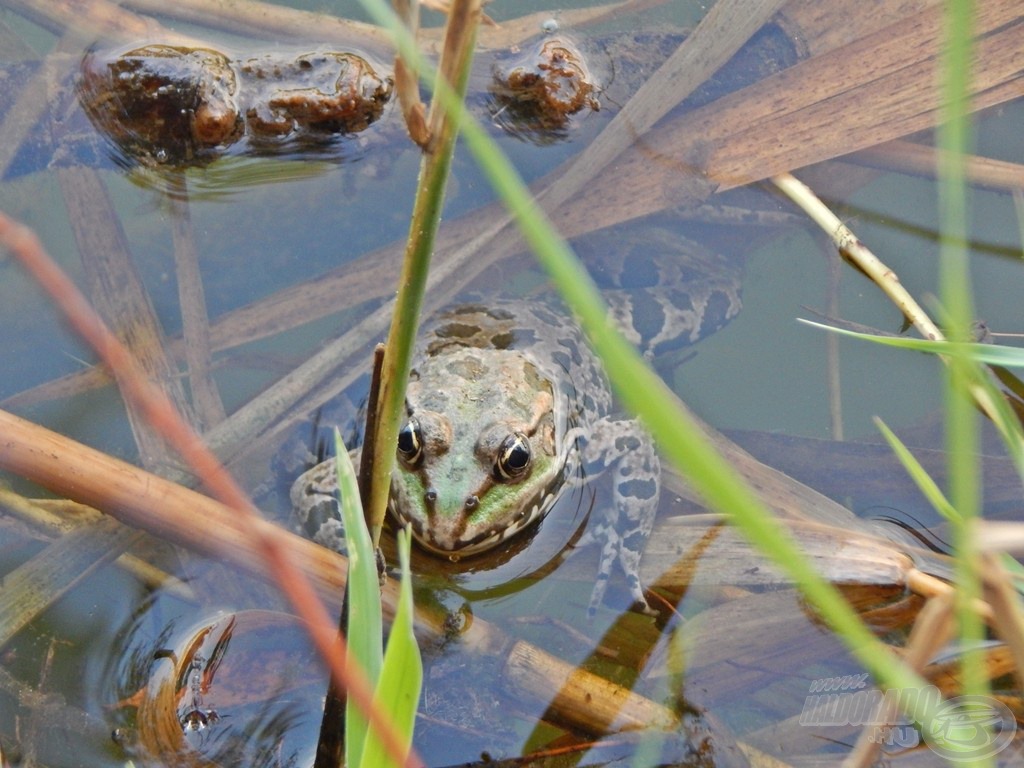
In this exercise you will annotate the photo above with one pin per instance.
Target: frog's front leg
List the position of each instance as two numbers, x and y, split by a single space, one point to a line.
625 525
315 505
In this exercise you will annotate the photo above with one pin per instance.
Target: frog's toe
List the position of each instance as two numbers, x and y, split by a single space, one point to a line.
597 594
613 548
630 562
610 544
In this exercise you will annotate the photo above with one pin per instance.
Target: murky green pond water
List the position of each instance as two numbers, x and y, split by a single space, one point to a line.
265 222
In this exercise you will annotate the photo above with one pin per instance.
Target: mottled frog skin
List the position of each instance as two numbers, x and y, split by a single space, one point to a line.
507 408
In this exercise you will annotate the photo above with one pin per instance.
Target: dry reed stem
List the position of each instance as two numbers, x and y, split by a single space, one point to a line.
1008 618
23 243
50 517
445 7
858 254
834 380
929 586
278 22
96 18
407 81
722 32
617 196
911 157
35 585
464 19
1000 537
1018 206
195 323
185 517
34 98
119 296
269 21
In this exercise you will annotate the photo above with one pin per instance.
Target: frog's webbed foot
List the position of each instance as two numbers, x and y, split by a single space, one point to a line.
314 497
626 523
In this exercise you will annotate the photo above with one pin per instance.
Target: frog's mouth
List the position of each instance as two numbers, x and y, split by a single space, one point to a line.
455 547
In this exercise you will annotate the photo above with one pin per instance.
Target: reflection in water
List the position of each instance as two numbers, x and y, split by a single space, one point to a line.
244 689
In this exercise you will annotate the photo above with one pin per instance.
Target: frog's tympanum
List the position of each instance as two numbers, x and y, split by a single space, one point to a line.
507 409
169 105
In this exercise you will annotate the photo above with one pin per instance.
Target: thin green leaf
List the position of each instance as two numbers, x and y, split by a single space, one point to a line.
919 475
988 354
646 394
365 627
935 496
1005 420
401 678
677 435
963 433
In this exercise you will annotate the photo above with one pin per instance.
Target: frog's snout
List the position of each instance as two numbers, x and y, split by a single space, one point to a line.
430 496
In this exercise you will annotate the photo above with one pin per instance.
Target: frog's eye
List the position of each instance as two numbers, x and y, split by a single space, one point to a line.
513 458
410 443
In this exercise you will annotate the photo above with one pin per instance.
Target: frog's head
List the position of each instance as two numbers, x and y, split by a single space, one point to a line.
477 458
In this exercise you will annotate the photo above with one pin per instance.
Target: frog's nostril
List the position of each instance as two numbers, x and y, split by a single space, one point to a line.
430 496
471 502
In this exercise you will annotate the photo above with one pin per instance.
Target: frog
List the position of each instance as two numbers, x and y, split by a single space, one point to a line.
508 409
176 106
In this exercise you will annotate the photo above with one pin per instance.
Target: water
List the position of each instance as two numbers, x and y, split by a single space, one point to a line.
763 373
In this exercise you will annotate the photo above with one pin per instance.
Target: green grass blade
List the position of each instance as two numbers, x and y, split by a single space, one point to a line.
423 225
401 677
988 354
1004 419
646 394
677 435
365 627
953 134
936 497
917 473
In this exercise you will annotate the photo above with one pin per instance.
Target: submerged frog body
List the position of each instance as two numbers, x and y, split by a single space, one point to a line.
507 408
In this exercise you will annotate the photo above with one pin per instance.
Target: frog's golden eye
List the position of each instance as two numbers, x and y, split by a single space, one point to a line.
513 458
410 443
